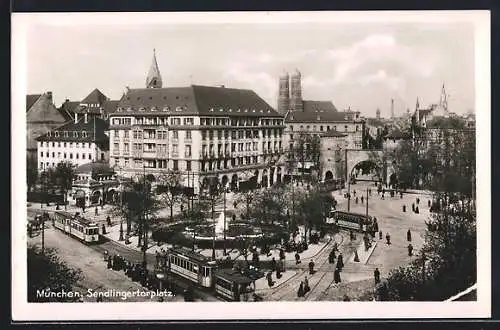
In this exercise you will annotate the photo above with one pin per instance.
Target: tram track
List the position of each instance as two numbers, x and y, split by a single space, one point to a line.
285 289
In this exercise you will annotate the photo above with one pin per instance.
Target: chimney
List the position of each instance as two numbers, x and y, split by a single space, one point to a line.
49 96
76 117
86 118
392 108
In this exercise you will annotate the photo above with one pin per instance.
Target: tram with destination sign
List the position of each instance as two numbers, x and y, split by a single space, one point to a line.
76 226
352 221
229 284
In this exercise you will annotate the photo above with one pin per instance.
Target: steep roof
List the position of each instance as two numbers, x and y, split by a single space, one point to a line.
95 97
195 100
31 99
153 80
318 111
67 131
43 110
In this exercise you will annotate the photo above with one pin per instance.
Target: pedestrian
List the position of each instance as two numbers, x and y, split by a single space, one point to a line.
356 200
331 257
351 235
408 235
336 276
335 246
362 199
388 238
417 210
273 264
376 275
429 203
306 285
300 292
311 267
380 234
103 229
354 193
297 258
410 250
340 262
96 211
413 207
108 221
110 264
401 194
418 200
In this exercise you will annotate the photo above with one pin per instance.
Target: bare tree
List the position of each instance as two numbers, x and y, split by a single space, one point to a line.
169 190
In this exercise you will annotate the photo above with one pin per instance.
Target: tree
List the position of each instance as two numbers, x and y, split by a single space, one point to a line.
64 174
306 148
169 190
47 272
248 198
196 218
31 173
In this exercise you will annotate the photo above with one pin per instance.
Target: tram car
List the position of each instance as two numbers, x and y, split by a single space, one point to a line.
229 284
76 226
352 221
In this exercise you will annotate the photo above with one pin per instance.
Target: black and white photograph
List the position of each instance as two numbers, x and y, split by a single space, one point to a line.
279 165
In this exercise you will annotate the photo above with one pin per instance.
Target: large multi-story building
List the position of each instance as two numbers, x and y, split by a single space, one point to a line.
80 141
199 131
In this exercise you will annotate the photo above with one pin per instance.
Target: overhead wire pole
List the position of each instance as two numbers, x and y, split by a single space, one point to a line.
144 220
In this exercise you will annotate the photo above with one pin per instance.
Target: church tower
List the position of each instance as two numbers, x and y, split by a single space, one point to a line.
378 114
284 93
296 92
154 78
443 101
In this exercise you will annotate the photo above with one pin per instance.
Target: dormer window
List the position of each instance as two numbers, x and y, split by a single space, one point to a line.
211 110
56 134
178 108
318 118
238 110
75 134
153 109
253 110
261 111
166 109
66 134
230 110
84 134
221 109
48 133
268 111
142 109
119 109
129 109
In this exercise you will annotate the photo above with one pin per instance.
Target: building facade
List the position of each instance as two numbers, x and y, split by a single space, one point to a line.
201 132
80 141
333 145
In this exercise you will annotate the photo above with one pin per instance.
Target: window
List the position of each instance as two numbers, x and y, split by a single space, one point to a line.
175 135
90 156
58 155
47 154
84 134
188 135
188 121
53 144
77 156
70 155
175 165
188 165
291 128
188 150
83 156
125 134
116 134
115 146
175 148
345 128
41 154
53 154
64 155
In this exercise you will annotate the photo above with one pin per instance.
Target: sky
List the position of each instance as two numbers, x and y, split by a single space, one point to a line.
361 65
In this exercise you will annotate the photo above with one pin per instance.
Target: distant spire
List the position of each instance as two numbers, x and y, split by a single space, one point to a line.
153 79
417 105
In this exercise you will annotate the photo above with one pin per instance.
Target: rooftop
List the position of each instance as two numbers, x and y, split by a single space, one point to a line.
320 111
94 167
91 131
194 100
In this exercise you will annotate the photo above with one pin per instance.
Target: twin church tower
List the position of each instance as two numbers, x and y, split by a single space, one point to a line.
290 87
290 92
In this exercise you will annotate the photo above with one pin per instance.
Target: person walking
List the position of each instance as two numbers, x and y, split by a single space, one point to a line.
380 234
311 267
376 275
340 262
300 292
410 250
306 285
408 235
336 276
103 229
297 258
108 221
273 264
388 238
362 199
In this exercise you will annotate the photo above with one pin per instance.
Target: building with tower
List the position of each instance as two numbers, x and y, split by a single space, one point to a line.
313 118
202 132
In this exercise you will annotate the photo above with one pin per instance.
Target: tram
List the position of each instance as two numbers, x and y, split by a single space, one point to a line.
349 220
76 226
229 284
